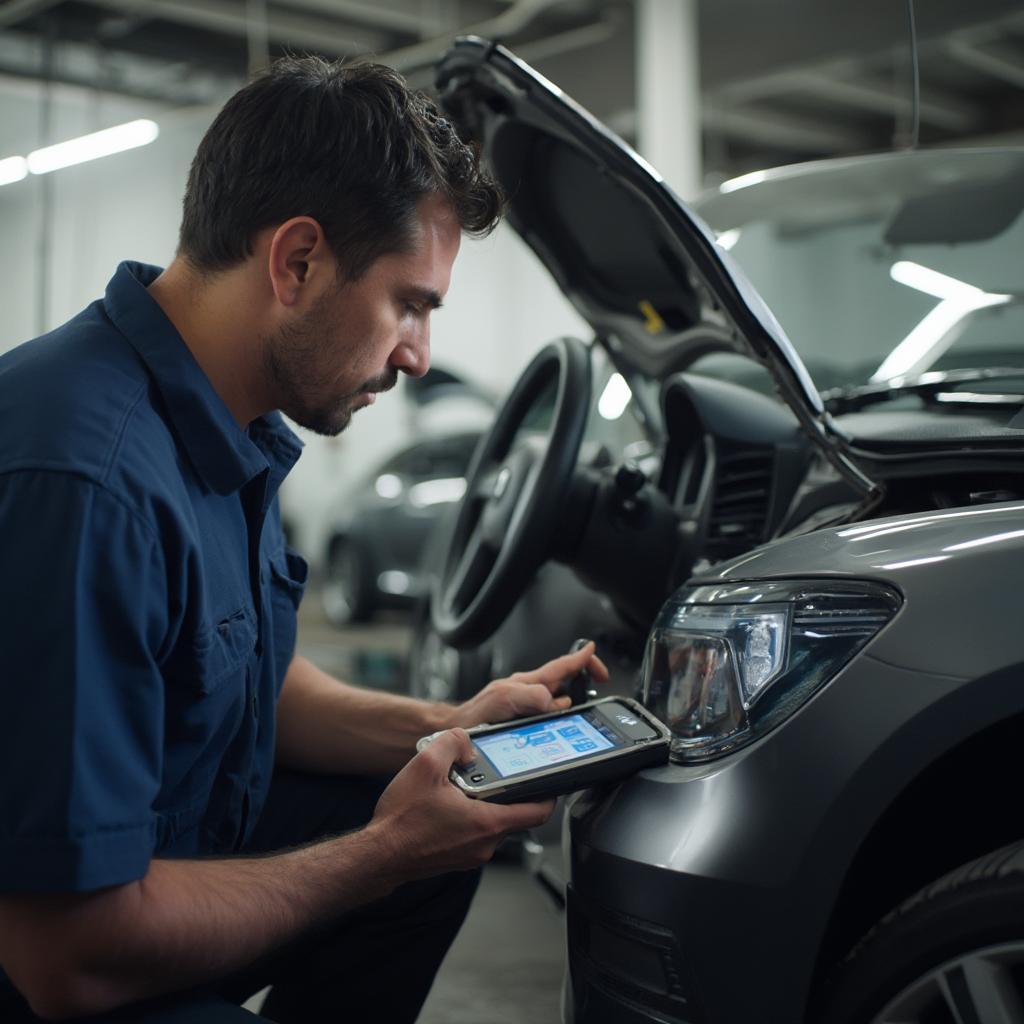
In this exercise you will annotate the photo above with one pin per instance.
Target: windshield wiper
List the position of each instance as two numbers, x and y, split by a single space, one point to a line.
928 386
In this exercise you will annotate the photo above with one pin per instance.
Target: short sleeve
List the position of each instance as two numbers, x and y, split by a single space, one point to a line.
82 617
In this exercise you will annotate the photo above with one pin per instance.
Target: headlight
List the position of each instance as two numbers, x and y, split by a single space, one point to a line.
725 664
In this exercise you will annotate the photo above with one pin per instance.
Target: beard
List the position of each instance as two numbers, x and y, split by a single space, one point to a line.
298 360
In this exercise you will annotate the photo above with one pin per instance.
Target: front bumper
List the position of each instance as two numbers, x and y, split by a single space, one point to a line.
702 893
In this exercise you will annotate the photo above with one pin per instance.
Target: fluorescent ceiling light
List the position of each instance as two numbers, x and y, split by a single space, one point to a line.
931 282
941 327
91 147
14 168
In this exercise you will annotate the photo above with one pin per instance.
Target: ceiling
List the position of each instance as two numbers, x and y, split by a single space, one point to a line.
782 80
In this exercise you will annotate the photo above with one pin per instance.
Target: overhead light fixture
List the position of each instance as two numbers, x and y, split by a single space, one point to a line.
931 282
941 327
91 147
13 169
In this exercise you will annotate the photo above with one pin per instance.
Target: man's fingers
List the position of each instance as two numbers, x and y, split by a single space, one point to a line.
598 669
554 673
532 699
516 817
452 747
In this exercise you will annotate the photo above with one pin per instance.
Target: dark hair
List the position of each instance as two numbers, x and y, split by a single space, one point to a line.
347 144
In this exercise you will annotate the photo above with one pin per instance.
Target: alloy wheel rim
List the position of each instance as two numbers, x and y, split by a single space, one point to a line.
983 986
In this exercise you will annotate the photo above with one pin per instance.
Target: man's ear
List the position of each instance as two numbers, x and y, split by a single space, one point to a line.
298 255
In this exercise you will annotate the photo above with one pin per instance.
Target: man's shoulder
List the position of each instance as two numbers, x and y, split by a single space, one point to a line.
79 400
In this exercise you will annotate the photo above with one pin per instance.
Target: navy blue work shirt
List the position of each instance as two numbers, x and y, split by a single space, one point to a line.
148 611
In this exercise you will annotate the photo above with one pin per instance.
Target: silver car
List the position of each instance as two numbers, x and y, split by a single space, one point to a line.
819 558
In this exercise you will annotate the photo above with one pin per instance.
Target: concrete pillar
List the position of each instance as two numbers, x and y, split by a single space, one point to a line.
668 91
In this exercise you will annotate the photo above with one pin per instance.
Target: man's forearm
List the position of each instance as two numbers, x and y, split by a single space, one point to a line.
184 924
324 725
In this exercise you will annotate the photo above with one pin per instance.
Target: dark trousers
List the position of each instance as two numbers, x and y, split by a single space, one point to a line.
376 963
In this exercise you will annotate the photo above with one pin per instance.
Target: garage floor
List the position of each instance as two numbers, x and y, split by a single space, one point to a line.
506 965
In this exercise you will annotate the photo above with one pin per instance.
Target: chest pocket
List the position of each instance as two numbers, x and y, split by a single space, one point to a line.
208 733
288 573
219 652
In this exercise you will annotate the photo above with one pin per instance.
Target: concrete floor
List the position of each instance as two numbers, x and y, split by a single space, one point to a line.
506 964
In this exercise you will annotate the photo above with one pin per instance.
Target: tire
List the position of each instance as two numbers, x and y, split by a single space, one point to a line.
951 954
345 594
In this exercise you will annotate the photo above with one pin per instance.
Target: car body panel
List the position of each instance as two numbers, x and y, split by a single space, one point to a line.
677 837
963 556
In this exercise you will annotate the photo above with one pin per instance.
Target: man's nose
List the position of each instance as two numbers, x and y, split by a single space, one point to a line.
412 354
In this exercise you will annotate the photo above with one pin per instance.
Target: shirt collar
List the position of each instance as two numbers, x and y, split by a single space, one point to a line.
224 455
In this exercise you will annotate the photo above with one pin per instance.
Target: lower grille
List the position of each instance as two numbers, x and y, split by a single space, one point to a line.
634 962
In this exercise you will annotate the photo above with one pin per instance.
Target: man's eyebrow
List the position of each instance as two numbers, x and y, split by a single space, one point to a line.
429 296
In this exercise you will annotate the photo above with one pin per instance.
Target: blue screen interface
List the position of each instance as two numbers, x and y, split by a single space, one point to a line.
544 744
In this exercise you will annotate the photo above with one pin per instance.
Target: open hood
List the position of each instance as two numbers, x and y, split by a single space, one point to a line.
639 266
642 269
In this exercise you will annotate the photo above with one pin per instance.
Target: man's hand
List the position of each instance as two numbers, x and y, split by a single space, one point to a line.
430 827
529 693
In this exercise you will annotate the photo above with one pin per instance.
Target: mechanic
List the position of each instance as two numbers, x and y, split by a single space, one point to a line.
188 810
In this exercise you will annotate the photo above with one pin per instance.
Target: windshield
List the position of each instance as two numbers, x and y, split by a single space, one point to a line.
886 266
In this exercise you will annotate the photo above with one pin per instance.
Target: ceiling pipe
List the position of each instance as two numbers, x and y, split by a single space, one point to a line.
220 16
386 18
572 39
777 130
517 18
836 82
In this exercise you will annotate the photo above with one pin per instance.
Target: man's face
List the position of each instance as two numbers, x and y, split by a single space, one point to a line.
355 340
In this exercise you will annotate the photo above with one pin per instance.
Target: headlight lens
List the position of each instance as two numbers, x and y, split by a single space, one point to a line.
725 664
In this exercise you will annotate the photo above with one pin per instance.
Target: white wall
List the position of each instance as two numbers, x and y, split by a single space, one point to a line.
121 207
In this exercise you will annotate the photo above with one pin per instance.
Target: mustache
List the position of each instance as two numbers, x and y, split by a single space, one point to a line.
383 382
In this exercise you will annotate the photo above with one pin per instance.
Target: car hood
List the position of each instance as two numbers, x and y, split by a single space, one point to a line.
639 265
642 268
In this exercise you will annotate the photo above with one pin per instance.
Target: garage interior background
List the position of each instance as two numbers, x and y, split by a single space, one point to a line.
706 90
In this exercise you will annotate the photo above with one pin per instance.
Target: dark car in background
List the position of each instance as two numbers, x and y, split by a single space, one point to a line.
377 543
812 574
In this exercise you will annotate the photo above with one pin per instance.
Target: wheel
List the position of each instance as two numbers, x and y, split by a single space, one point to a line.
951 954
440 672
434 672
516 490
346 595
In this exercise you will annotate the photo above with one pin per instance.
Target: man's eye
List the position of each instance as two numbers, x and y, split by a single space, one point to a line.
413 308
